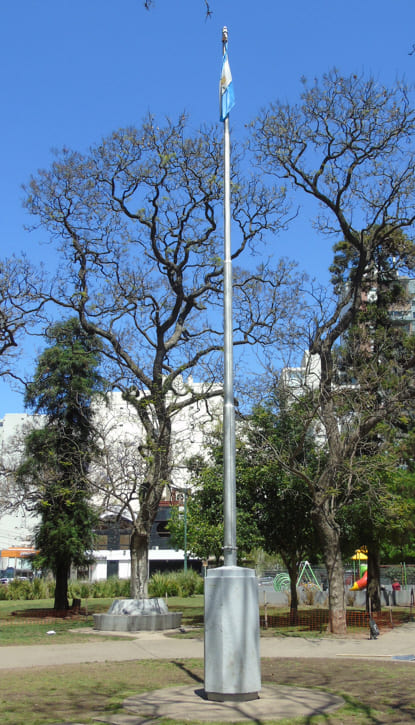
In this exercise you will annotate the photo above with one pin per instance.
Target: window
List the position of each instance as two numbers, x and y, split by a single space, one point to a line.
162 530
124 541
102 541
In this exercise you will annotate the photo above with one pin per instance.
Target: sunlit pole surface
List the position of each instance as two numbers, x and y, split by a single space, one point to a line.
232 661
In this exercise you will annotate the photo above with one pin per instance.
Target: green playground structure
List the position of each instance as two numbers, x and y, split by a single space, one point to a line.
306 576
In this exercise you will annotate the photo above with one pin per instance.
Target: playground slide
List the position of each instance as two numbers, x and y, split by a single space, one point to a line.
361 583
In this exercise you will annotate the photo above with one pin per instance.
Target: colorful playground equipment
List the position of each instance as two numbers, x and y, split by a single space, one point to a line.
360 583
359 556
305 576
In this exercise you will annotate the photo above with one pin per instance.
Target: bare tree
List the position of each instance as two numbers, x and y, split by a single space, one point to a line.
118 476
349 145
149 3
137 222
20 308
20 314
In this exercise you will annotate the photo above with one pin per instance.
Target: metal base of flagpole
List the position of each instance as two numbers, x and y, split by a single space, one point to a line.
232 657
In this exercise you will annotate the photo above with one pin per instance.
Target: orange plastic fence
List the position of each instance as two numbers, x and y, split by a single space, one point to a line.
317 619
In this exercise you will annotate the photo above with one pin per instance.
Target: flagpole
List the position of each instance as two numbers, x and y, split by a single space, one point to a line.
229 549
231 656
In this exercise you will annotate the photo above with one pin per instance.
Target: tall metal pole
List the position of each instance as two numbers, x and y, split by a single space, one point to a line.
229 548
232 661
185 530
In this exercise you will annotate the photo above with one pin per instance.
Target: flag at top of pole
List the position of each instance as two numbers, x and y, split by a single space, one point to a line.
226 92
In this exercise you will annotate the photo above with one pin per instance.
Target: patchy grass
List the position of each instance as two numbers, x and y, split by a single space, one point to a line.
24 607
20 623
374 692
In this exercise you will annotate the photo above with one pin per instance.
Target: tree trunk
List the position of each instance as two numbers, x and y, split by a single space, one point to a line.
157 476
139 565
373 600
293 574
61 587
330 539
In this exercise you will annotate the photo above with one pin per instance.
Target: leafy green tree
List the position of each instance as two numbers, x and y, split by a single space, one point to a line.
275 464
375 347
397 543
274 506
204 512
381 514
54 472
374 517
348 145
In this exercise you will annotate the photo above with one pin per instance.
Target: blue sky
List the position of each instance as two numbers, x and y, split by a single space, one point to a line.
74 70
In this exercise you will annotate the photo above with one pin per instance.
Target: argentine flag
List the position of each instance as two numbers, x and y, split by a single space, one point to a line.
226 93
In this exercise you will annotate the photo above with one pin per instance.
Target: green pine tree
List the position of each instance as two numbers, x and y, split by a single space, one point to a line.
58 454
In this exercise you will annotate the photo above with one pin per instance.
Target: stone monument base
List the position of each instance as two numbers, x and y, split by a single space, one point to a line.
135 615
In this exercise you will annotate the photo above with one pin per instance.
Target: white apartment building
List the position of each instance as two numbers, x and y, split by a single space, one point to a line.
121 434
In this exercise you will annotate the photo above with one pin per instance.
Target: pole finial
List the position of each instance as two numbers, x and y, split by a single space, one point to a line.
225 34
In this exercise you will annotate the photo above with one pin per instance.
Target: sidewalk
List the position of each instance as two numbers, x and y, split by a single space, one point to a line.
398 642
188 703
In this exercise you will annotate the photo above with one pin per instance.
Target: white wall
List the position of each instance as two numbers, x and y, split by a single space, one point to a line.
191 426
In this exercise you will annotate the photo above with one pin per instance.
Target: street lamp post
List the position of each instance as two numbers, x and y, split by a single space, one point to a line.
182 496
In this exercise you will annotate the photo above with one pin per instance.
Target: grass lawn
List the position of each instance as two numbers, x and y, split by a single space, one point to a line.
375 692
18 625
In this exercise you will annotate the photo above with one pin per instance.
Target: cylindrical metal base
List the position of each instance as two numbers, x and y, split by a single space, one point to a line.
232 657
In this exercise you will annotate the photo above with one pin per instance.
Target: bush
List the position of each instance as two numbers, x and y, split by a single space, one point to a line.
113 588
175 584
42 588
20 589
172 584
121 588
85 590
190 582
157 586
4 592
74 589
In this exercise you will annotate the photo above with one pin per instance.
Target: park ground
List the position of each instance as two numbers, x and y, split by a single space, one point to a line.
375 691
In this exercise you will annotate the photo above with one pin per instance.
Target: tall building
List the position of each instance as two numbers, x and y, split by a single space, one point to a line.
117 477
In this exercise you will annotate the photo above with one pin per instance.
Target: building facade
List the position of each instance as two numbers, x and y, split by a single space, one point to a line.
117 478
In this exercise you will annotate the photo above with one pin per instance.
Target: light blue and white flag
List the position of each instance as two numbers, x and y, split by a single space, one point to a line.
226 92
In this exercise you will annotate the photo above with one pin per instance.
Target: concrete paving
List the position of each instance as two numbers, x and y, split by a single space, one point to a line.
398 642
188 703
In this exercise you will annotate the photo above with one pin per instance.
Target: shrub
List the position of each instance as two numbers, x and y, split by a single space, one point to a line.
121 588
190 582
112 588
4 592
41 588
85 590
157 586
74 589
180 583
175 584
20 589
310 590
